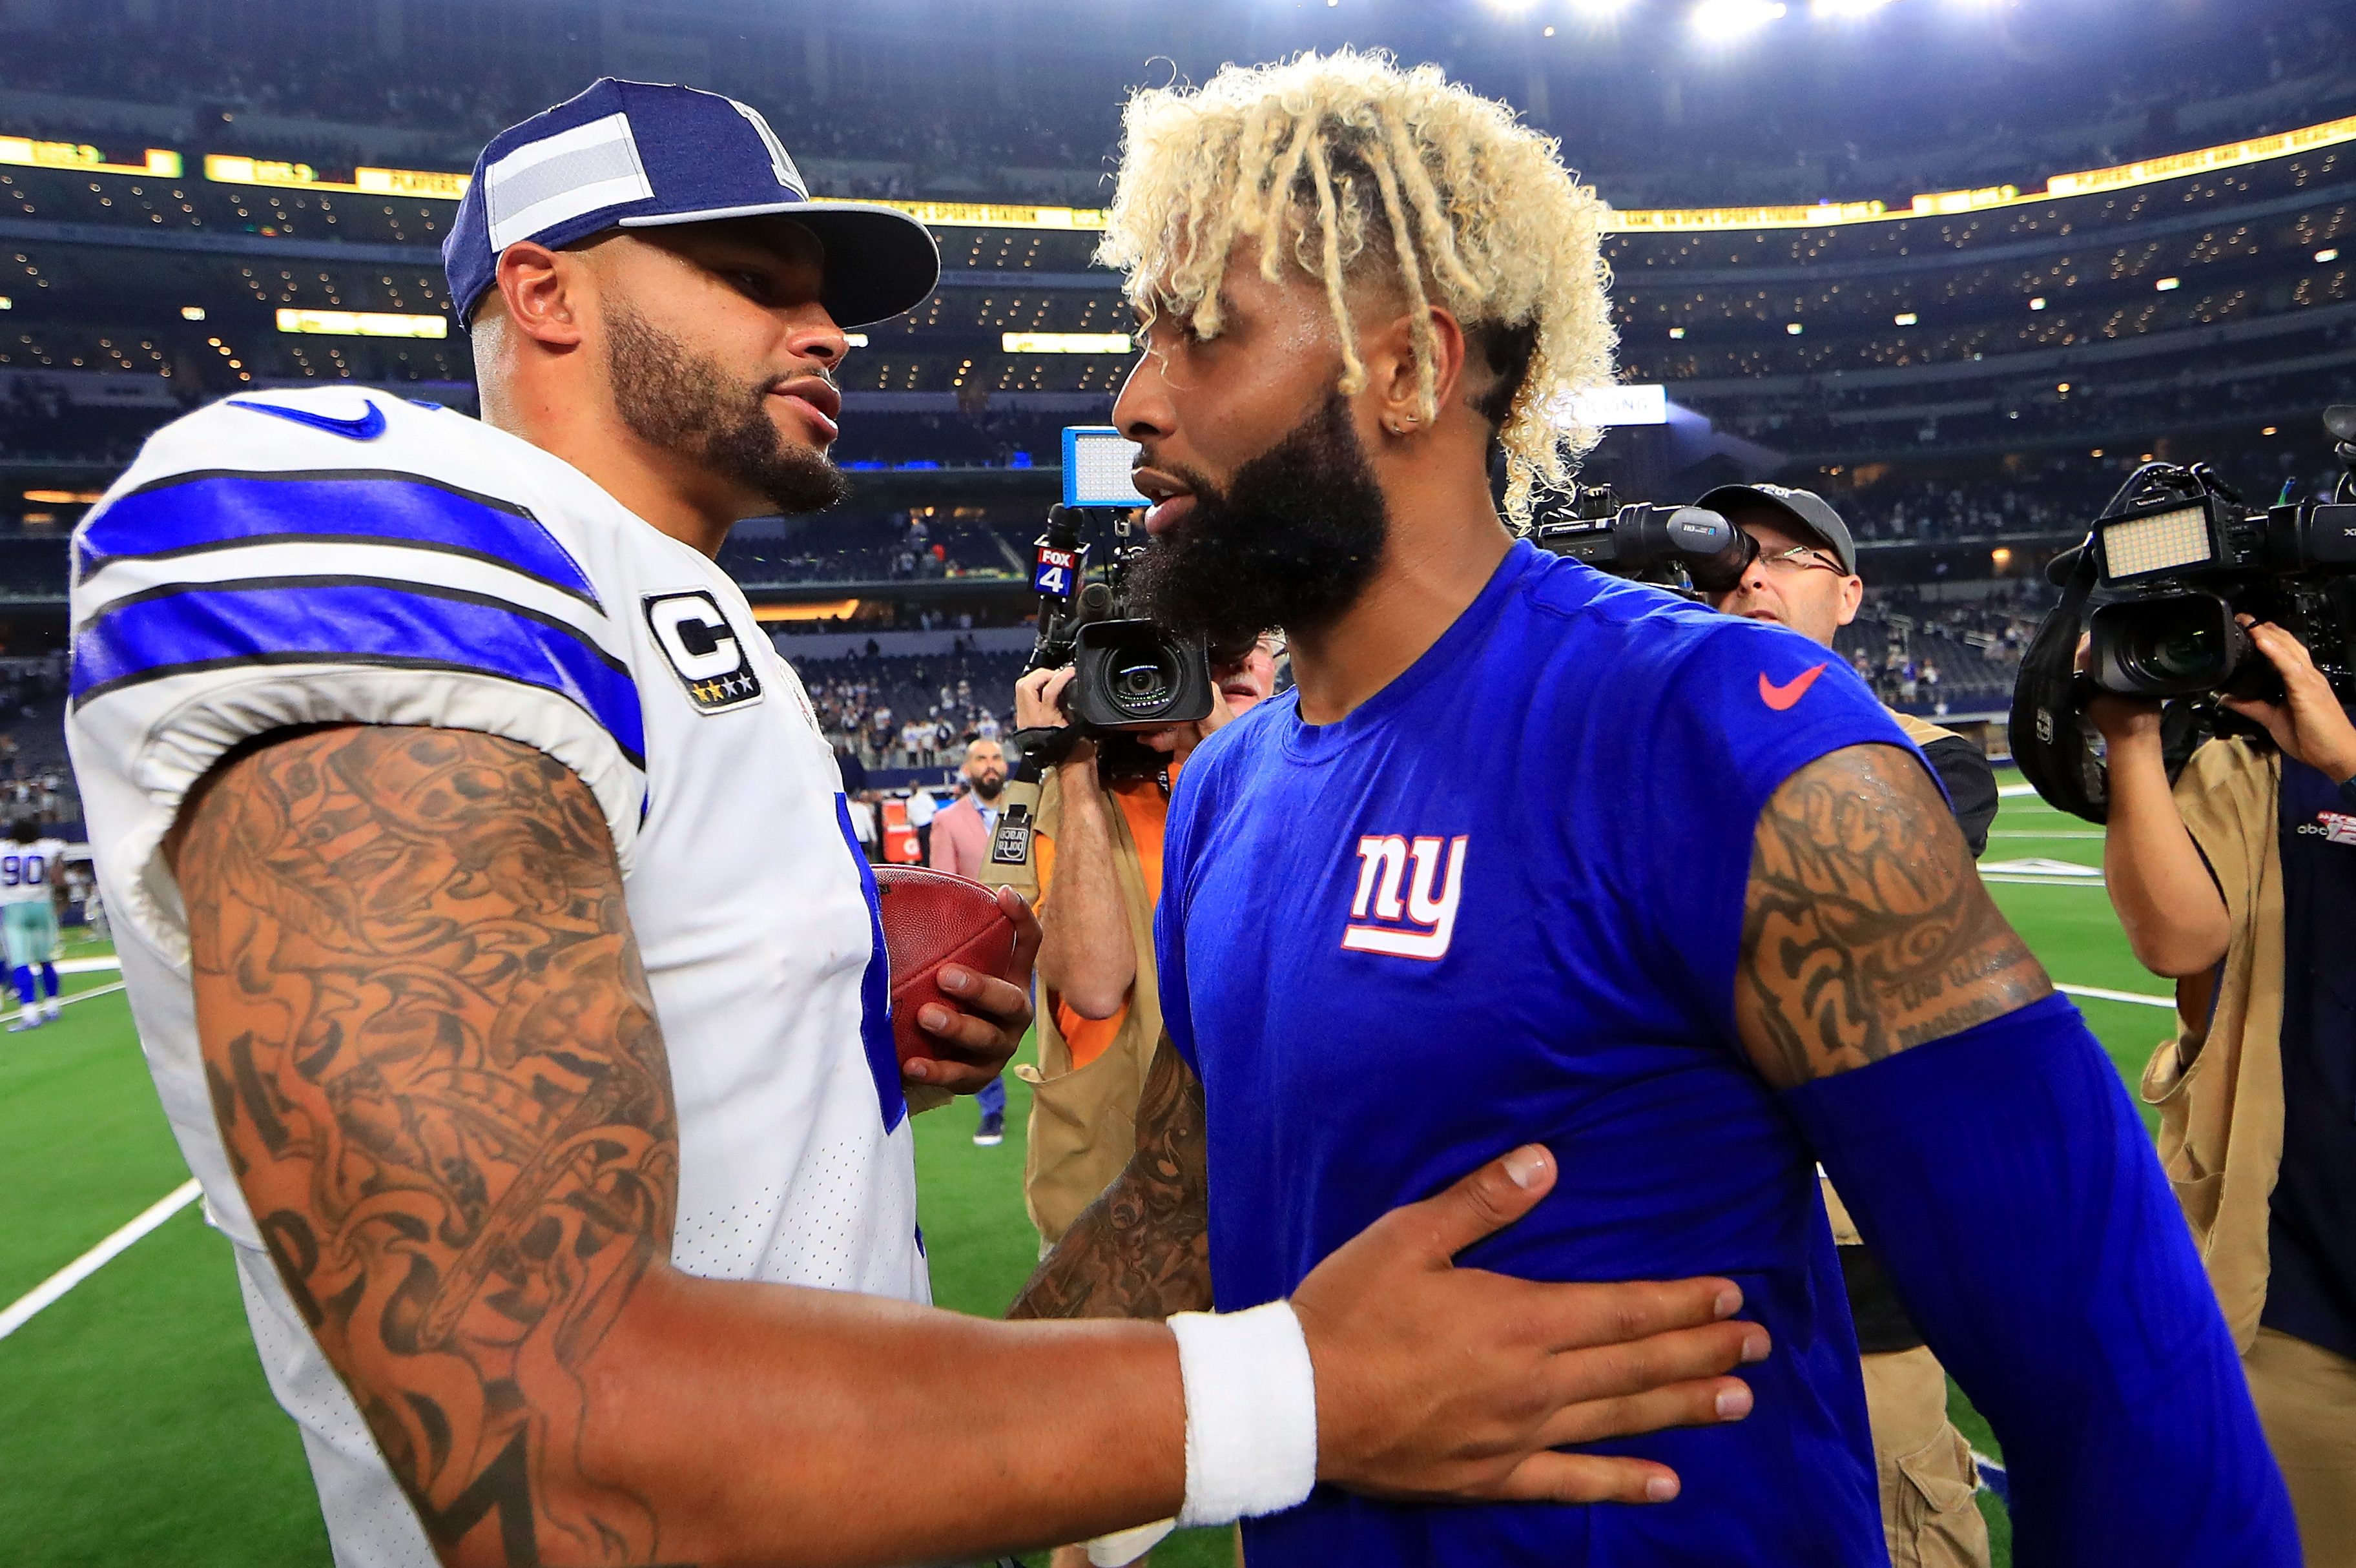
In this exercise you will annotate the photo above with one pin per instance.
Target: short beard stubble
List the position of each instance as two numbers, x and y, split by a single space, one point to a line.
681 403
1291 542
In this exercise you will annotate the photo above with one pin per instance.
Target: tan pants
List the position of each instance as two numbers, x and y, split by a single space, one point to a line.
2306 1402
1925 1466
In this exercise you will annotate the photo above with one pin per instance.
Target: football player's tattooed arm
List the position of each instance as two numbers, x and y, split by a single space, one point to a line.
1142 1250
435 1066
1866 929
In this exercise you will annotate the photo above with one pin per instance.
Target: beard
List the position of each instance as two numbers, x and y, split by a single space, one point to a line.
1290 542
683 404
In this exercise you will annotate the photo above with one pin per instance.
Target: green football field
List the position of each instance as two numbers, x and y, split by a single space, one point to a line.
134 1427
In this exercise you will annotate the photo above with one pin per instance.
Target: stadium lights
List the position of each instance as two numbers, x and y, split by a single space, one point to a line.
63 498
2268 431
2164 284
1844 10
1599 10
1795 328
2037 303
2327 254
1066 343
1677 331
7 303
192 313
1717 20
1905 318
855 340
362 324
1511 7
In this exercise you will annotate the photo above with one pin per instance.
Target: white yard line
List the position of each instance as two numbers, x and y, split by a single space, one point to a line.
2100 994
2042 881
20 1311
2005 833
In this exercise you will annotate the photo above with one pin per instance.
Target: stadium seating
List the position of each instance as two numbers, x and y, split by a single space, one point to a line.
912 711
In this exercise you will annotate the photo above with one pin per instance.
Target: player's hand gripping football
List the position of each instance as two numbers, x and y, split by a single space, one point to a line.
1440 1381
993 1011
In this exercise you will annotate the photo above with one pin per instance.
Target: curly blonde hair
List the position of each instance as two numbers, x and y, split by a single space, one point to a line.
1345 162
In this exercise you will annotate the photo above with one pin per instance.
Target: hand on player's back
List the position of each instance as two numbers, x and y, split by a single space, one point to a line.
995 1012
1435 1382
1432 1381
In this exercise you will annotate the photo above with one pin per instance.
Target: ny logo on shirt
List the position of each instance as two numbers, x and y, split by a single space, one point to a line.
1422 924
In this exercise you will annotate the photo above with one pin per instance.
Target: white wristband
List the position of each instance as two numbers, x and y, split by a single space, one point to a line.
1251 1413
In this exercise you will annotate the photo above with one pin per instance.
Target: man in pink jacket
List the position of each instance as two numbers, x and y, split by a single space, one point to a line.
962 844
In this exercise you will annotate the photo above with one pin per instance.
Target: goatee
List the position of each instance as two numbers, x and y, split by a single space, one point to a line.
1291 542
681 403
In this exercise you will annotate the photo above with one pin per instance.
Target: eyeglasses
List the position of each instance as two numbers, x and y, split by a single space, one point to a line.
1800 558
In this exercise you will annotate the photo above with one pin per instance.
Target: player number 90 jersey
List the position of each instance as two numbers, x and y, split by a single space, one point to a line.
29 872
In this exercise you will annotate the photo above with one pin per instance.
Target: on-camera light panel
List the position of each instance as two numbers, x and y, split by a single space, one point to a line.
2162 541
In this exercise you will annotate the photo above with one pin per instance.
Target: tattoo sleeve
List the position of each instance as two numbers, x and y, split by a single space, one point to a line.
434 1063
1866 929
1143 1249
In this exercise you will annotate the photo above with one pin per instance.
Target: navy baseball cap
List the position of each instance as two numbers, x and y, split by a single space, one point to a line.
1805 507
637 155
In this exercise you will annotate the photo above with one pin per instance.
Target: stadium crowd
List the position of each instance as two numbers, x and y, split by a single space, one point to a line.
945 137
912 711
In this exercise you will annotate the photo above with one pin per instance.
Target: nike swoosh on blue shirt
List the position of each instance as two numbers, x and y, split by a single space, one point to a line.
367 427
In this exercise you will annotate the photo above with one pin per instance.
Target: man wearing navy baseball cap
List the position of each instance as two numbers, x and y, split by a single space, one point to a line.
517 992
703 186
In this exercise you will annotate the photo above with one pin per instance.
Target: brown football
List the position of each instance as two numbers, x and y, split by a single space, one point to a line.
932 917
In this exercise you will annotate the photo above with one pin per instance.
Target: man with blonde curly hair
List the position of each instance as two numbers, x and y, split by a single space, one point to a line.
1531 854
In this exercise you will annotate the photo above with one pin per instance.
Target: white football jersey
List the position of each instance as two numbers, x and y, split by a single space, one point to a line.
30 872
284 558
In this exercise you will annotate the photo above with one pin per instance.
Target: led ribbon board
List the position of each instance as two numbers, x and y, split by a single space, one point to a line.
432 185
26 152
438 186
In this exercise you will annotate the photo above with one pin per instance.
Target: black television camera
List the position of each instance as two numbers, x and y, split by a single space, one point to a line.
1683 549
1128 673
2174 557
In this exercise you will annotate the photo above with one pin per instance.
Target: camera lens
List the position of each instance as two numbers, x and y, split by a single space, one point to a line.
1143 679
2179 653
2165 646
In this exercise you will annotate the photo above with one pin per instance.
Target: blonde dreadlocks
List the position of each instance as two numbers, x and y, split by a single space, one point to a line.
1344 162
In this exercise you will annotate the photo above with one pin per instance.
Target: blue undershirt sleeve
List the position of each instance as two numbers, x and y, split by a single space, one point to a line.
2012 1194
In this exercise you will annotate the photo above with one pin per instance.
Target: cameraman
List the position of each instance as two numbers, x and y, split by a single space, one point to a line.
1804 577
1097 852
2240 884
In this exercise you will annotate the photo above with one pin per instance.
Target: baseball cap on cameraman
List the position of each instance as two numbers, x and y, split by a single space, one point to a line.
1805 507
636 155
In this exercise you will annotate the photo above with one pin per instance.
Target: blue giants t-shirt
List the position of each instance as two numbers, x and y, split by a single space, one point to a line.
1500 902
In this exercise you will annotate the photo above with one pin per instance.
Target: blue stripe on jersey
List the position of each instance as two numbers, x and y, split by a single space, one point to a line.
192 512
342 621
876 989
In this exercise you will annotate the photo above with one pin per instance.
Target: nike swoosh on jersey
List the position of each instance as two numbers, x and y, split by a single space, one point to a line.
1781 698
367 427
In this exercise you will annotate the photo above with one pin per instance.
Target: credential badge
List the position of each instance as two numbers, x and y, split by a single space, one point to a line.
711 660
